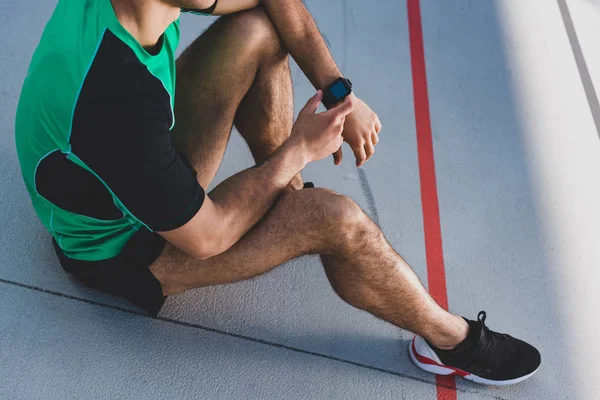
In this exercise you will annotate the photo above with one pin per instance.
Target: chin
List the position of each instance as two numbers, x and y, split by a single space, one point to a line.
193 4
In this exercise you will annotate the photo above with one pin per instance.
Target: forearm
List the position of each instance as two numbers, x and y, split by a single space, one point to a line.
237 204
243 199
299 33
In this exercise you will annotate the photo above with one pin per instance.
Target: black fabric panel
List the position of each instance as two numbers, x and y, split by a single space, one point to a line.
207 11
121 130
72 188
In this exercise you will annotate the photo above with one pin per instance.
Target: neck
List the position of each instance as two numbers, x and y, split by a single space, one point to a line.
145 20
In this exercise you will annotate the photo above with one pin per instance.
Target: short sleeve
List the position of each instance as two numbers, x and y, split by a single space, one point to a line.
148 175
122 133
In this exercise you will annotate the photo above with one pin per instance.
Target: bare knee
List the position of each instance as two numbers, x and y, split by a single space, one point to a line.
346 223
344 211
258 31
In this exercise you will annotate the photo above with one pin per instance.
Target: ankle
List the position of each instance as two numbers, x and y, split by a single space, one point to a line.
453 332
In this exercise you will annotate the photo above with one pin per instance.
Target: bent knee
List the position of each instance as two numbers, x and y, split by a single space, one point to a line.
336 210
349 226
333 218
257 29
344 211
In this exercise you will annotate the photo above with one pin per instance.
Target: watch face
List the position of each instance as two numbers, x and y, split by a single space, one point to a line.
340 90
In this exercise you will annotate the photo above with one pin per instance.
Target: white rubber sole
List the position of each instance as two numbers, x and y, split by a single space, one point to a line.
439 369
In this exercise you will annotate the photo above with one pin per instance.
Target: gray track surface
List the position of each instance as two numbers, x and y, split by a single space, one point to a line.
517 163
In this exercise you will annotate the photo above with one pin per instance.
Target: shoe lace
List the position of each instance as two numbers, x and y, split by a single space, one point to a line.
488 342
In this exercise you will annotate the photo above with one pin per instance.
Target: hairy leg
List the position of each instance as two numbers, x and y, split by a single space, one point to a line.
268 105
361 265
236 71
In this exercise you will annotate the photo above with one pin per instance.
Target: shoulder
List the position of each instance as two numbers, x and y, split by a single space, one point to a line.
117 78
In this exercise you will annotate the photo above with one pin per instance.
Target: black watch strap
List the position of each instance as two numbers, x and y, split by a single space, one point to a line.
337 92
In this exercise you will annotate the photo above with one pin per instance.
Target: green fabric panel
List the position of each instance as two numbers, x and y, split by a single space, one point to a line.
45 113
53 82
86 238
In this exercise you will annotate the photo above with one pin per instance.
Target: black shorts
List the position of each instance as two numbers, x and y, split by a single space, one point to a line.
126 275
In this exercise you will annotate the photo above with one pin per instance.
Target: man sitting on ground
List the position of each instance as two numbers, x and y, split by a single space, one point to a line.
120 185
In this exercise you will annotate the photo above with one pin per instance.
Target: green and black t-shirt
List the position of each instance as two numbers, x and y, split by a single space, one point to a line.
93 133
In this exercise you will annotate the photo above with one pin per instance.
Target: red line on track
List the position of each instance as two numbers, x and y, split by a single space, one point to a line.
436 274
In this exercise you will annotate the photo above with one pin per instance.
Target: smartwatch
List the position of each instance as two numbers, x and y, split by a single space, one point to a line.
336 92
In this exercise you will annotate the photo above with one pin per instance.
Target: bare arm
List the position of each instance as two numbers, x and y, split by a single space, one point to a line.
238 203
302 38
235 205
299 33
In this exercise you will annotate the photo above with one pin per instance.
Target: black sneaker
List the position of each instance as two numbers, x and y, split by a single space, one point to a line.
485 357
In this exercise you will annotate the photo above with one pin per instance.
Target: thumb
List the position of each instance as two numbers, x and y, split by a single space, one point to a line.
312 104
343 109
337 156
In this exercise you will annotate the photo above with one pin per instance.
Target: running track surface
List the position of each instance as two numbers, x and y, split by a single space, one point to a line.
483 181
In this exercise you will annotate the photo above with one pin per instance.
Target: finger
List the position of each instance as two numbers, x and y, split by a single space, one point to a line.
378 126
312 104
337 156
369 149
360 155
343 109
374 138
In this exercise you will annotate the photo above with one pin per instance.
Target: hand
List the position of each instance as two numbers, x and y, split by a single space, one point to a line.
319 135
361 132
